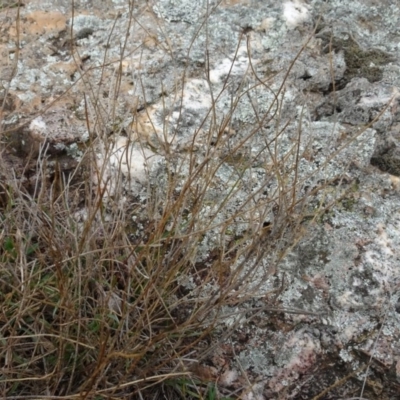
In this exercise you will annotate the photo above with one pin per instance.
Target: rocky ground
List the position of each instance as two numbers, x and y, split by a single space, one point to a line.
335 68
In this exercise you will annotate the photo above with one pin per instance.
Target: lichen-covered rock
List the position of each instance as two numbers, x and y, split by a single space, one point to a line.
162 87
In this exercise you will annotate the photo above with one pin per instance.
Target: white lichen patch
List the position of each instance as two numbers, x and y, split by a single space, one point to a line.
196 95
132 160
228 377
229 67
295 13
38 128
82 21
124 159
